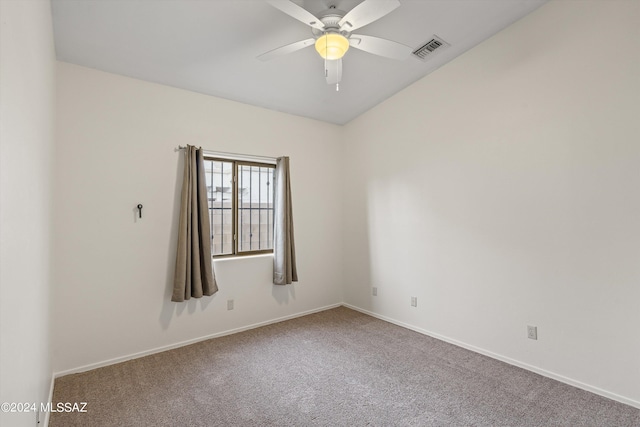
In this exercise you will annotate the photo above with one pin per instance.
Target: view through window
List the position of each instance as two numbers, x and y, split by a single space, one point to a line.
240 205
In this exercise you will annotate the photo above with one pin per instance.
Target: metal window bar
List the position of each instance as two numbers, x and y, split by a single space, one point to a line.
239 208
268 193
250 161
273 203
222 206
260 206
234 206
248 207
250 211
224 167
210 202
240 214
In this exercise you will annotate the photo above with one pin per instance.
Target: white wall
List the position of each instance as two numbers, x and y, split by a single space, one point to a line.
503 191
27 67
116 140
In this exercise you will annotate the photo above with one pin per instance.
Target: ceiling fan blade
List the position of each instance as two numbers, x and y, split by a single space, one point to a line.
333 71
367 12
381 47
283 50
297 12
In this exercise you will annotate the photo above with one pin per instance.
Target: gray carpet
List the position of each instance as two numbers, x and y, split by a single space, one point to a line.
334 368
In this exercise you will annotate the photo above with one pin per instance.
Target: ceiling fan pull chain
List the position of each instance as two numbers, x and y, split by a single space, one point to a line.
326 69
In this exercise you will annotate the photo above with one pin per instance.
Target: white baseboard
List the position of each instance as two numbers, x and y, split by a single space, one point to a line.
187 342
543 372
44 417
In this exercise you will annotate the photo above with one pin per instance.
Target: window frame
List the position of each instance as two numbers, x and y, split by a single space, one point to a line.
235 211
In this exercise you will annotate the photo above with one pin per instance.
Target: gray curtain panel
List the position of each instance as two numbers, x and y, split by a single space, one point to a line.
194 275
284 250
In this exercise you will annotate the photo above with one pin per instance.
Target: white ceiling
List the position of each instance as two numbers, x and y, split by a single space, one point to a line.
210 46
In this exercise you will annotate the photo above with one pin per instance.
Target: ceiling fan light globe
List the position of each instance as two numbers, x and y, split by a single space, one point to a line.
332 46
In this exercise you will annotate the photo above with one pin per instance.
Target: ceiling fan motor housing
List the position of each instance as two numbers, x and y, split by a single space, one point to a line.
331 19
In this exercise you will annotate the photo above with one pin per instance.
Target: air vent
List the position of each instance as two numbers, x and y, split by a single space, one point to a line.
425 51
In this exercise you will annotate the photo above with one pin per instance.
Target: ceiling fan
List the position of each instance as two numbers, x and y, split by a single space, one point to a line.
332 34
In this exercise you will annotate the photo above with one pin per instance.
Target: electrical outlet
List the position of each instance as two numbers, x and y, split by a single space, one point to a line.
374 291
230 304
532 332
414 301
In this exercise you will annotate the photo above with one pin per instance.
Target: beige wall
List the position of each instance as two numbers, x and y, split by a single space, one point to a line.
27 66
503 191
116 148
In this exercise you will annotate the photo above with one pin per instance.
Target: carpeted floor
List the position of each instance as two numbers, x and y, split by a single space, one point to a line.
334 368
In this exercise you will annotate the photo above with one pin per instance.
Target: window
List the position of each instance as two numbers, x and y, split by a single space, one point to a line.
241 200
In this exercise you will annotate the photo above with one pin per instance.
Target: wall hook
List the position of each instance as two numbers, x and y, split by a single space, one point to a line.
140 209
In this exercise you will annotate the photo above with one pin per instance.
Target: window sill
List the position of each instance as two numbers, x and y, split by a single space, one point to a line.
239 257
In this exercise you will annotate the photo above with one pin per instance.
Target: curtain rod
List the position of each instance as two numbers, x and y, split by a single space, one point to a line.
224 153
